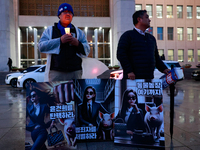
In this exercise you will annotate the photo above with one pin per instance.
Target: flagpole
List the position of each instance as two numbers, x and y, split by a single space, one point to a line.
172 88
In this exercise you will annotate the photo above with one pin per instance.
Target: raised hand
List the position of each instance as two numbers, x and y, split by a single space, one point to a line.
64 92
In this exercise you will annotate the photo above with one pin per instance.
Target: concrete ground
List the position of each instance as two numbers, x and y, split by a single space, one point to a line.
186 129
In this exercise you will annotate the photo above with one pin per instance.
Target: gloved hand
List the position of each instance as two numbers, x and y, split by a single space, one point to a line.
74 41
70 39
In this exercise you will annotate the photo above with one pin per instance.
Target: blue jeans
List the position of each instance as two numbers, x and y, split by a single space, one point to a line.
39 136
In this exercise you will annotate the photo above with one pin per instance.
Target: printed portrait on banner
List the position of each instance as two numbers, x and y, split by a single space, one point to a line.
50 116
94 109
139 113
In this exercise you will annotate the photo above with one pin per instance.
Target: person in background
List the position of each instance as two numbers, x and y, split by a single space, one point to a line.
137 50
9 63
64 49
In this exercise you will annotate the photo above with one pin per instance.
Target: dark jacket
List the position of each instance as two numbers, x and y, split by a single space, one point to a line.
136 121
84 118
67 60
9 62
139 54
37 120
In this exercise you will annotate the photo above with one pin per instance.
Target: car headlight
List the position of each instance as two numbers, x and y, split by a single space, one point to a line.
21 76
8 76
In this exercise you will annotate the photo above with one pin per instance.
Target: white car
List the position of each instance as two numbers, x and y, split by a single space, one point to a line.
31 77
11 78
157 74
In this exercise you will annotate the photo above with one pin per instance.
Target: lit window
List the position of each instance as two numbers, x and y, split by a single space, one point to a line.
189 12
161 52
170 54
189 34
180 11
198 12
149 10
138 7
190 55
159 11
170 11
170 33
198 34
181 55
160 33
29 37
198 53
99 38
89 8
180 34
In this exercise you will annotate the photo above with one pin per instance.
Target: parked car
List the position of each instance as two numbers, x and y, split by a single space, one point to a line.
31 77
157 74
196 75
11 78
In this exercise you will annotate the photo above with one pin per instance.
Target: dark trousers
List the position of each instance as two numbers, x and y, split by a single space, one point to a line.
39 137
10 68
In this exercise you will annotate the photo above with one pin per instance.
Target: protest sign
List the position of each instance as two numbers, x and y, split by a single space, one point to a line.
94 109
139 113
61 114
50 112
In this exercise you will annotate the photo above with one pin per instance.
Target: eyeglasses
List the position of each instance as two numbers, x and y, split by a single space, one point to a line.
90 93
32 96
133 97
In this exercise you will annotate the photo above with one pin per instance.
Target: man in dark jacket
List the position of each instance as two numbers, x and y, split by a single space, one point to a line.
137 51
9 64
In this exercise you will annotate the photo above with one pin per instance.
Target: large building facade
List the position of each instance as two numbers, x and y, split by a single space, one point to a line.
175 24
103 22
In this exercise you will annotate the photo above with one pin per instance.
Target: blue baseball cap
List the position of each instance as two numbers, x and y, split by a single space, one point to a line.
63 7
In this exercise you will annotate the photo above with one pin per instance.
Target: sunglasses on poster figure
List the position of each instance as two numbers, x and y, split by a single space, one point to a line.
92 68
89 93
33 96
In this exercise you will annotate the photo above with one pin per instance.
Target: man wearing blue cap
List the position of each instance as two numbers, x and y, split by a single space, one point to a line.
64 50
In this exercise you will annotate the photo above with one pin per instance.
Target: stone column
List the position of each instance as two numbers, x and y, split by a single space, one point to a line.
17 33
121 12
35 46
7 34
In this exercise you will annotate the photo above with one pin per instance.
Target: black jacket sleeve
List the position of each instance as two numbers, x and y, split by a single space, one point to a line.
122 52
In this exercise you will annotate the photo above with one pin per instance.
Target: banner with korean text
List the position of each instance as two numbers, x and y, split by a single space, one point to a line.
94 109
139 113
128 112
50 116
